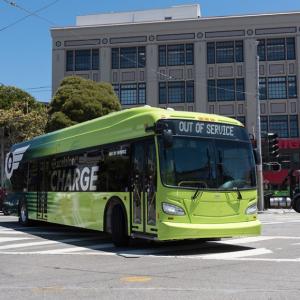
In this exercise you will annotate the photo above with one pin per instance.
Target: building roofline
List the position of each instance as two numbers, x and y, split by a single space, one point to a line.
290 13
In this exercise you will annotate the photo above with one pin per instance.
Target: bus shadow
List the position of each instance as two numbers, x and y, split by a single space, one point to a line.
96 242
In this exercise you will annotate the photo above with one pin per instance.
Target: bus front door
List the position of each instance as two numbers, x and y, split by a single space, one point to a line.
143 187
42 192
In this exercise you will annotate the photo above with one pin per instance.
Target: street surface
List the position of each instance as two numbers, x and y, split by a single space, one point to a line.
57 262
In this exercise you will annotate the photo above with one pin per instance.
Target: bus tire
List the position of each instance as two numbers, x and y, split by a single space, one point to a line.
118 227
23 213
296 204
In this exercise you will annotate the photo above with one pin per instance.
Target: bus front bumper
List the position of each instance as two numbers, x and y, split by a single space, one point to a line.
178 231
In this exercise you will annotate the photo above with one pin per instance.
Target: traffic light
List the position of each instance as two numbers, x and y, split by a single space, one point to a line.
273 147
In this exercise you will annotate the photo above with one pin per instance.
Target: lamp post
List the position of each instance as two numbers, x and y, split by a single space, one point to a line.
260 188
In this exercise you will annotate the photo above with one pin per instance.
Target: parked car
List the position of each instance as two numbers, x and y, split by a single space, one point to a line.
2 197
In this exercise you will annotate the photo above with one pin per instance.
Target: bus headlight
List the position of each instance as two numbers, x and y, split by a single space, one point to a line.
252 209
172 209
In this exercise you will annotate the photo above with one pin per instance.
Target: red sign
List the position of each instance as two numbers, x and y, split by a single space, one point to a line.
289 143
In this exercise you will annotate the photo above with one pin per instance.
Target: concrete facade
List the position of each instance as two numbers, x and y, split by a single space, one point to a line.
191 28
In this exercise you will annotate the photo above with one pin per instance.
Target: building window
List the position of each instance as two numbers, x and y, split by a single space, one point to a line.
278 87
279 125
285 126
176 92
211 53
128 57
176 55
290 48
264 124
225 52
70 60
82 60
262 88
240 89
261 50
131 94
294 126
292 86
226 89
116 88
276 49
211 90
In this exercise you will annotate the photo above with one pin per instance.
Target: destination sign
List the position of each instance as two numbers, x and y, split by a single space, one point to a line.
206 129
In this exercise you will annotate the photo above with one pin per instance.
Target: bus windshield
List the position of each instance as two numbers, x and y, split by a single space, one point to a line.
203 163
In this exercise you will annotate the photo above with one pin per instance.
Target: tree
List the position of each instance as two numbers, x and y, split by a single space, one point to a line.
9 95
78 100
20 125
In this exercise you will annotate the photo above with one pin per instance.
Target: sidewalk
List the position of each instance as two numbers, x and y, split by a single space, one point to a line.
278 211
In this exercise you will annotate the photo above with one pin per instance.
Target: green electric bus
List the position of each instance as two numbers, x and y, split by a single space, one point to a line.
143 173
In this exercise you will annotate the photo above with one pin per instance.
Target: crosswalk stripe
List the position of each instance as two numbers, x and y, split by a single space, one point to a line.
42 243
6 232
11 239
236 254
246 240
75 249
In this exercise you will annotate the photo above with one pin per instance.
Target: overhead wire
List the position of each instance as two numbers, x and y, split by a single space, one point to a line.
29 13
166 76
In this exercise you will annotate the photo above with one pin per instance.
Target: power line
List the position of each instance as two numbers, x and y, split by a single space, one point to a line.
29 13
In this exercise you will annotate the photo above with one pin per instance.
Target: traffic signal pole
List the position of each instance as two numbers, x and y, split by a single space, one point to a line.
259 169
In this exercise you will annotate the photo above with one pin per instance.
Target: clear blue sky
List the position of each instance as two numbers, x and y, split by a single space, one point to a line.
25 48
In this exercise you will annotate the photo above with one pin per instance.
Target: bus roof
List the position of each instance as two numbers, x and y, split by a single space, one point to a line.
117 126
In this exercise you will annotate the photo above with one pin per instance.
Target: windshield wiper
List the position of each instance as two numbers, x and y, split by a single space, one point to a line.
196 194
238 193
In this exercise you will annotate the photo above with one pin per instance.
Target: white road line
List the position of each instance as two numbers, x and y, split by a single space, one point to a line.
75 249
247 240
11 239
43 243
280 222
6 232
236 254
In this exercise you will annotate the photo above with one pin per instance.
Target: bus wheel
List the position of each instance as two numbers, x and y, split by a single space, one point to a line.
23 213
296 204
118 227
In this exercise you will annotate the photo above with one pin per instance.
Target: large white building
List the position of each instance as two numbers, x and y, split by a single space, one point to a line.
174 57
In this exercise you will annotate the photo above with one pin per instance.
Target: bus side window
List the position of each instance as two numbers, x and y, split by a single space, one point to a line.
32 181
18 178
114 168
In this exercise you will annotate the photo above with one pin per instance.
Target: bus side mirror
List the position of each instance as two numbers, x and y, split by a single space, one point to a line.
167 136
256 157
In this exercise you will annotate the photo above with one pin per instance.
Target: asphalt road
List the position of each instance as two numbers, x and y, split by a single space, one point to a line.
56 262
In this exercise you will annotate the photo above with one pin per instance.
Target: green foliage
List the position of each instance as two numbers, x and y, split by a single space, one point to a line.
78 100
10 95
20 126
57 121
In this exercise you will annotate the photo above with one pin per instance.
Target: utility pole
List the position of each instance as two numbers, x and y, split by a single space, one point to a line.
260 188
2 154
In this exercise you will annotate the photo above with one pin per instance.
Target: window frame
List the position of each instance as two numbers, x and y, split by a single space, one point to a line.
187 91
167 55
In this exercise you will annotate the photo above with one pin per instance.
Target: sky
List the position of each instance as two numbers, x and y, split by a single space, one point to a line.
25 40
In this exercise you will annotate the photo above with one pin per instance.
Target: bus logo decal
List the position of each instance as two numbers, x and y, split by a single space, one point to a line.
13 160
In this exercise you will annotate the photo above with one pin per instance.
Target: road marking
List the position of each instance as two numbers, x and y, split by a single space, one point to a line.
11 232
235 254
11 239
42 243
246 240
75 249
136 279
280 222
